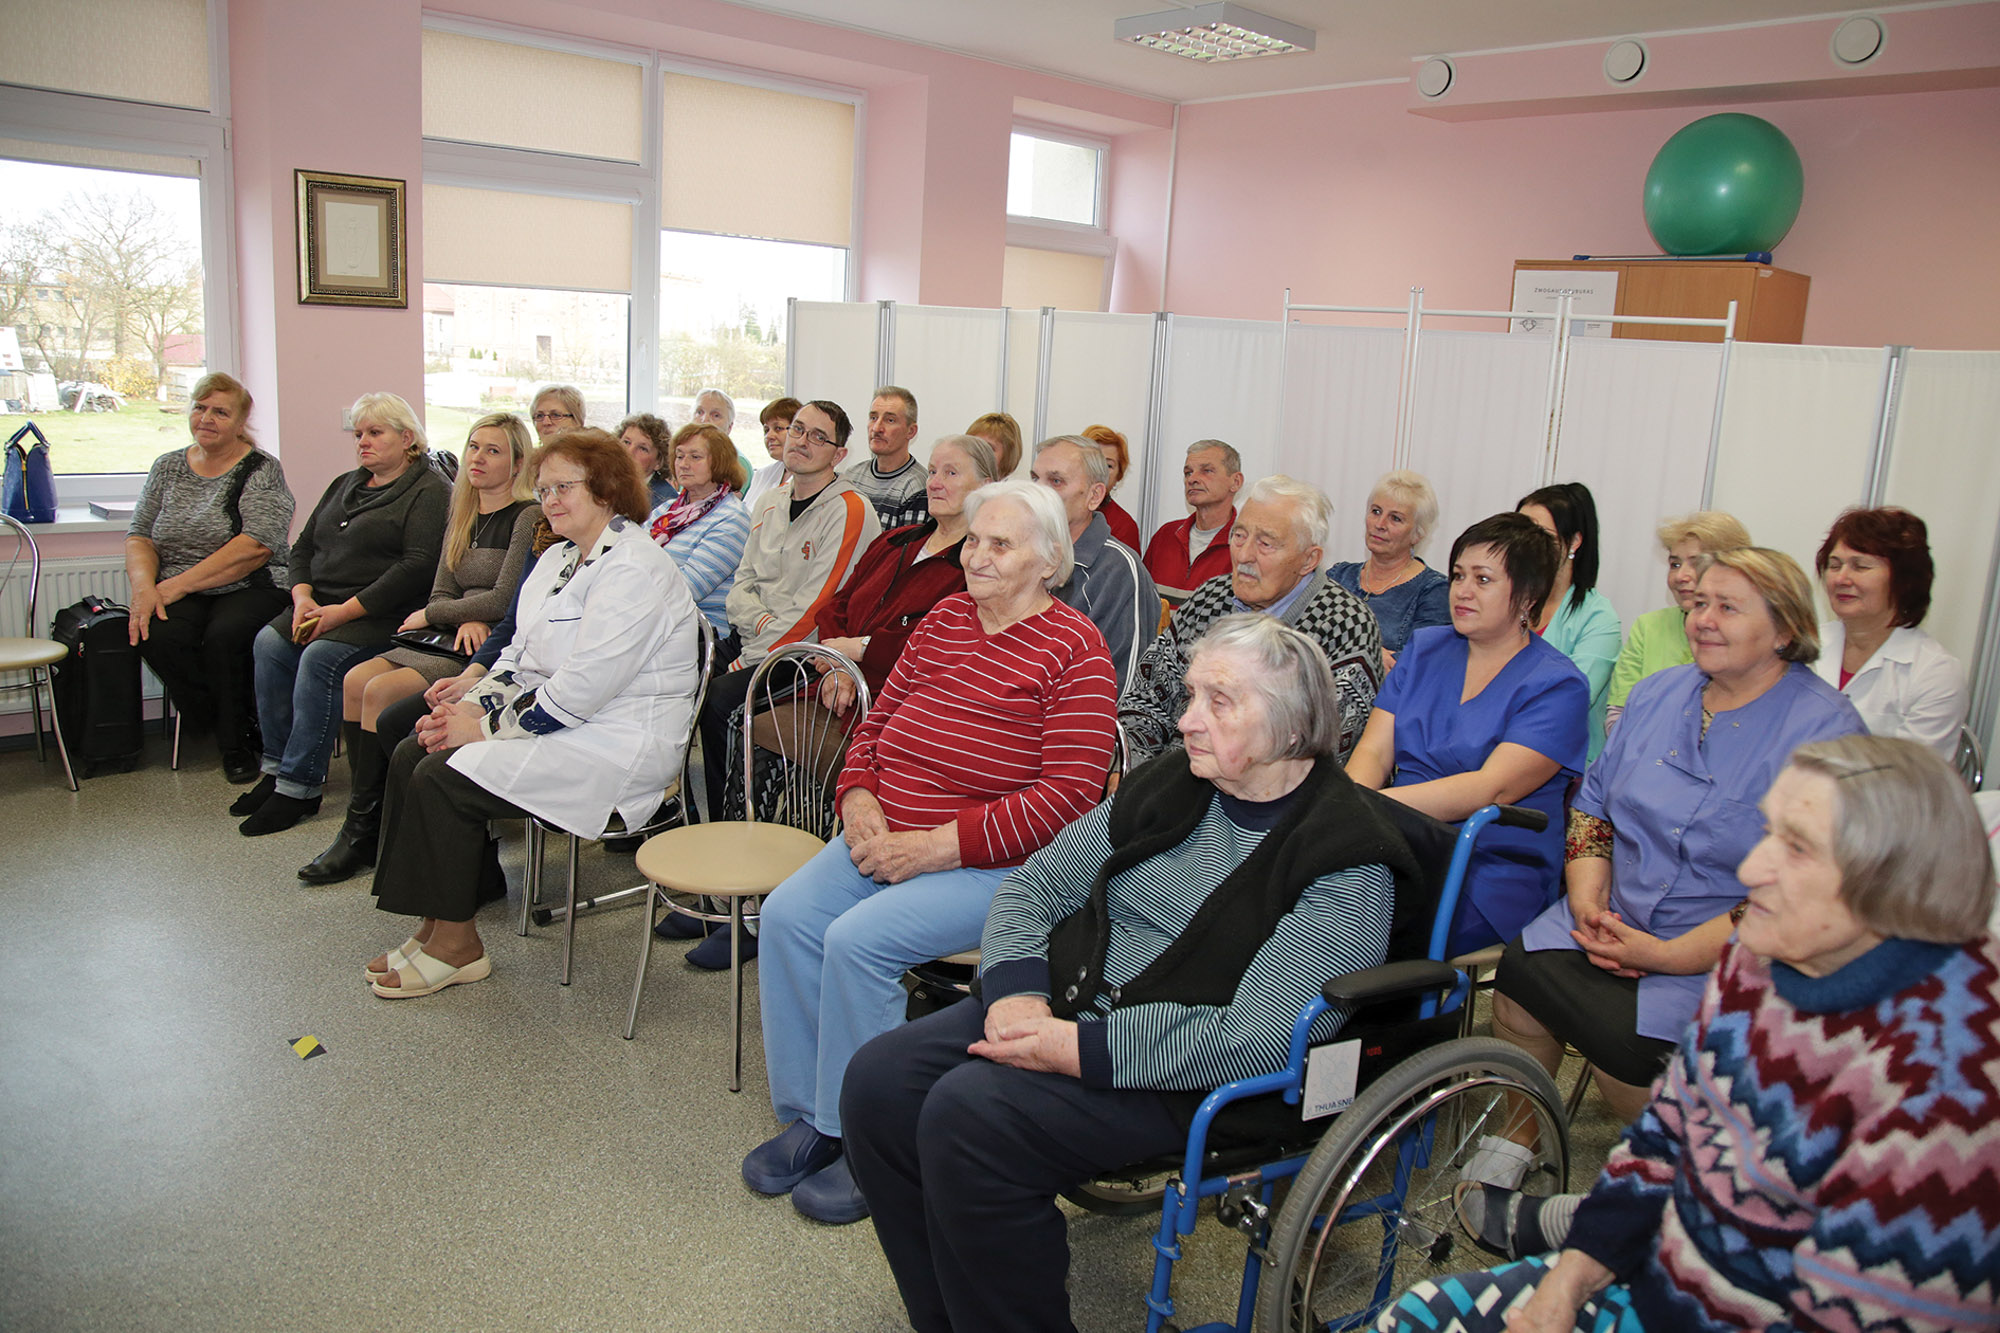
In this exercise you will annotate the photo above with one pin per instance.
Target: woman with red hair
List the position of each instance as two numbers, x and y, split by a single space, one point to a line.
1875 565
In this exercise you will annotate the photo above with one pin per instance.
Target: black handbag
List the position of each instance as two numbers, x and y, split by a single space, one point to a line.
436 642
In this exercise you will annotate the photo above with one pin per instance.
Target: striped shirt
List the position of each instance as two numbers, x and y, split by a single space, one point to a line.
1007 734
708 551
1340 924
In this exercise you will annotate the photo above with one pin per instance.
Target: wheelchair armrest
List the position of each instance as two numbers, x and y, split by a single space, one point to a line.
1520 816
1388 980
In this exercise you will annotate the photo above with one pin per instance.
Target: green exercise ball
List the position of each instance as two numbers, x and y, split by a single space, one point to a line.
1726 184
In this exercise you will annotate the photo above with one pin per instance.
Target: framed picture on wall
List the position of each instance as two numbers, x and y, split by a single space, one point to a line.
353 243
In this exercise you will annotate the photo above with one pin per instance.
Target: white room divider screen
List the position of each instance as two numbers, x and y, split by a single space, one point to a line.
1800 433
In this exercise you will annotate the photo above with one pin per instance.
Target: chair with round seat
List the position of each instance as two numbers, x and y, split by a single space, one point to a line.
31 653
734 861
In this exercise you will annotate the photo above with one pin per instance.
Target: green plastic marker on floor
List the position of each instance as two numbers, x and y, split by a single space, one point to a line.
307 1047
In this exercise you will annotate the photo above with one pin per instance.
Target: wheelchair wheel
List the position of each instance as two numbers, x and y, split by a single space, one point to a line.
1128 1194
1372 1212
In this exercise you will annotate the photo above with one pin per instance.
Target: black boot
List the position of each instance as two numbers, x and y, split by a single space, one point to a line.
353 851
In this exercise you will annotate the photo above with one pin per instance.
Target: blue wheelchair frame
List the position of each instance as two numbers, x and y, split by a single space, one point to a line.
1180 1210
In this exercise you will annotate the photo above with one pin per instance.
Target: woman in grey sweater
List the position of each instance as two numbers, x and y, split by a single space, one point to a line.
364 560
205 557
487 536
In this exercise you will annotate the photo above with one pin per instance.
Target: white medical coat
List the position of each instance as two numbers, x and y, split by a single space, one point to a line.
1910 688
612 656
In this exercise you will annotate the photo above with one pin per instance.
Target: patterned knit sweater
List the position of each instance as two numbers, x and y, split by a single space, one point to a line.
1331 616
1824 1153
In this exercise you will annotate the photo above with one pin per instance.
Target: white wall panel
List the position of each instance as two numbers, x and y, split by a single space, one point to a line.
1635 424
1224 380
1479 425
832 352
1101 373
1341 387
950 359
1798 429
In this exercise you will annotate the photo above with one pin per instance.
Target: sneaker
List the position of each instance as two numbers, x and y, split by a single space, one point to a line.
831 1196
712 954
776 1165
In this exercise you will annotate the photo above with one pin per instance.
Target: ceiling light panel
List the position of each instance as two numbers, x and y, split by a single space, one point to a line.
1214 32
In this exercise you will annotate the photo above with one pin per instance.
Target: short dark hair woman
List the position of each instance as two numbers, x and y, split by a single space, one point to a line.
205 558
364 560
1486 711
585 713
1875 565
964 1125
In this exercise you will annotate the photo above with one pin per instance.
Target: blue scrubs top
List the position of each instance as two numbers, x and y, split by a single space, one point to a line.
1683 811
1538 700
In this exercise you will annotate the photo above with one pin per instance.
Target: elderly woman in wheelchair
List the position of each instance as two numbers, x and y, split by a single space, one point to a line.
1822 1150
1163 944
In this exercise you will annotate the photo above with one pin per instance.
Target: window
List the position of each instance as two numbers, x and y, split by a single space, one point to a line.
112 219
539 210
1058 250
1055 180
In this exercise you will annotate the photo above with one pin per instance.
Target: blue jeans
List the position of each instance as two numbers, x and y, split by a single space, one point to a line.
831 954
298 705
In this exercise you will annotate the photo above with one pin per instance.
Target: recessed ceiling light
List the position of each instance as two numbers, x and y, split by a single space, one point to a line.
1214 32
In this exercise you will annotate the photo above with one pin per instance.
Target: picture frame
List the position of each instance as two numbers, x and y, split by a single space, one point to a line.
354 244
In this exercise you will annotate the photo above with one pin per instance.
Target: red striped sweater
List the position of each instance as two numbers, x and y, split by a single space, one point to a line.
1009 734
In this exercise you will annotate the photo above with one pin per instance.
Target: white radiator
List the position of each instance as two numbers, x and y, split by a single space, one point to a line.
63 582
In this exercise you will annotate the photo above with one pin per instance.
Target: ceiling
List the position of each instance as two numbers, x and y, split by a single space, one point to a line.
1359 40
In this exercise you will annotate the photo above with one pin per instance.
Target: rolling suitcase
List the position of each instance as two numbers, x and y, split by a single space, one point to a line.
97 686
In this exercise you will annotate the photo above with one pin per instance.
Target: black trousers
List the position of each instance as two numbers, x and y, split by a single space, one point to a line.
960 1160
399 721
1582 1004
201 653
435 852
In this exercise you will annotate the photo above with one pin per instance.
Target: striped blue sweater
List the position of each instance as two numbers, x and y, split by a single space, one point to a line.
708 552
1340 924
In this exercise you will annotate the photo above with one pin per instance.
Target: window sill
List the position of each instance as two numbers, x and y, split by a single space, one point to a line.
78 518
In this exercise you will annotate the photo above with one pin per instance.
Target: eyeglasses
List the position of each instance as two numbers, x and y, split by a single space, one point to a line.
817 437
560 489
542 417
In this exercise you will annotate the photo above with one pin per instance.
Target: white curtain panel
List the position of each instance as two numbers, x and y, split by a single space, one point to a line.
950 359
832 348
1944 467
1798 429
1224 379
1634 428
1101 373
1024 369
1339 429
1478 425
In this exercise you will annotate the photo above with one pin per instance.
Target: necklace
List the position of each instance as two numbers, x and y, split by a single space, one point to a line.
1404 573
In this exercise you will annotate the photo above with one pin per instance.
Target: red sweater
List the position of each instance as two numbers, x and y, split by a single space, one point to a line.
1167 554
1123 526
891 590
1008 734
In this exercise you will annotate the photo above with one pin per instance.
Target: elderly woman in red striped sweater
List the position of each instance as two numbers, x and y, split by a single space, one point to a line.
993 733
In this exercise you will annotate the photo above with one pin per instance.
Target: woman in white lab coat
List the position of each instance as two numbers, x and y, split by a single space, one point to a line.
1877 570
586 712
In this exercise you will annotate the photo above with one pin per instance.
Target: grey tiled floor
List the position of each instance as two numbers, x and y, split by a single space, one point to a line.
493 1156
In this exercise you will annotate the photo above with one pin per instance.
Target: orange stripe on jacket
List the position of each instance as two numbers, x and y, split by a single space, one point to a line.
849 539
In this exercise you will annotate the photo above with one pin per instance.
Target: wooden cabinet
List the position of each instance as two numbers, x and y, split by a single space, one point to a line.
1770 302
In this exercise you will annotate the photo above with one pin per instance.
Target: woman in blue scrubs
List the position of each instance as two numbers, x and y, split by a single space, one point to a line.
1481 712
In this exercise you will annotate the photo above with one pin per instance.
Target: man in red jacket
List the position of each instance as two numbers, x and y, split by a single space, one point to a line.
1185 554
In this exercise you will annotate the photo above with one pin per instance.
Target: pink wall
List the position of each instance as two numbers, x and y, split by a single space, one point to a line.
1347 197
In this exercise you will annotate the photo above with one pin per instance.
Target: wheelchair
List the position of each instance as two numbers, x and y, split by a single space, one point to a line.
1368 1207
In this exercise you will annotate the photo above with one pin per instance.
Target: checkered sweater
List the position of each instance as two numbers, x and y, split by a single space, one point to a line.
1824 1153
1331 616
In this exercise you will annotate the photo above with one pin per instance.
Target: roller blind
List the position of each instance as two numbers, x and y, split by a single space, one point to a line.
1031 278
526 240
481 91
69 155
803 148
136 50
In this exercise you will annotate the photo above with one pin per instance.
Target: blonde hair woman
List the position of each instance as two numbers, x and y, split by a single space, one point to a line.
1658 639
487 538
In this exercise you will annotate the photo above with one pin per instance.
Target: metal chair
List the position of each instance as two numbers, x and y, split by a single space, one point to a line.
32 653
735 860
673 809
1970 759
